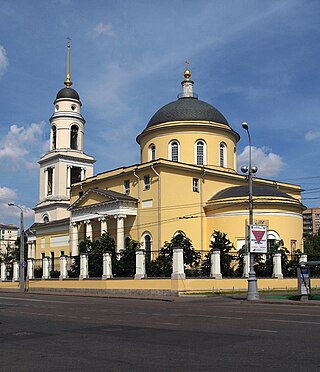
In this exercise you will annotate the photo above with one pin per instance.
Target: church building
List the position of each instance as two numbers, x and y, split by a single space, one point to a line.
186 182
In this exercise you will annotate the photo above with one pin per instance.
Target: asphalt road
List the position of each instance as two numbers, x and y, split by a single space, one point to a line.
71 333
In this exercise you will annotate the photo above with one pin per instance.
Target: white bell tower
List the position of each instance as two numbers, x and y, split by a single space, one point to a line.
65 162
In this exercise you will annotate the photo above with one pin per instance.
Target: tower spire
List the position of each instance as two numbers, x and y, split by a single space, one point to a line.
187 84
68 81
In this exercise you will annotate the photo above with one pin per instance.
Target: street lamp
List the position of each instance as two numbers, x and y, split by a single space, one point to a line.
253 293
22 263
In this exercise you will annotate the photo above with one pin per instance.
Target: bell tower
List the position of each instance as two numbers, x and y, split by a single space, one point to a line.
65 162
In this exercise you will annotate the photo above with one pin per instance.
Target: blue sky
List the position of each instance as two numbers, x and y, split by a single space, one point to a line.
256 61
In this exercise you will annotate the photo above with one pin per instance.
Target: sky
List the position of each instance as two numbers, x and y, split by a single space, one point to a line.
255 61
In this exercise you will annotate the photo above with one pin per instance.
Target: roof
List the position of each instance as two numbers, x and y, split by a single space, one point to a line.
68 93
257 190
185 109
36 225
8 226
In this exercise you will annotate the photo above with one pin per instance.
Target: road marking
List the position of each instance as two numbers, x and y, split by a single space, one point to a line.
85 317
35 300
209 316
262 330
290 321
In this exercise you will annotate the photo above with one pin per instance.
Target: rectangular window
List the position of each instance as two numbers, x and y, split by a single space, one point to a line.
75 175
195 185
50 181
126 186
146 180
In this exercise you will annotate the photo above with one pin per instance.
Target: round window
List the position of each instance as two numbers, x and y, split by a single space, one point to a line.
73 107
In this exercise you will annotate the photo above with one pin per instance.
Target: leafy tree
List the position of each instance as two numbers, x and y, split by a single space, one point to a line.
223 244
126 265
311 244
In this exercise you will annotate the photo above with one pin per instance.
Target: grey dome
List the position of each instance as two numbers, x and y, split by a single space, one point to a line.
187 108
68 93
240 191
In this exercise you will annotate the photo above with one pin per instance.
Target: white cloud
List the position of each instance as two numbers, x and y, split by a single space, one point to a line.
103 29
21 146
3 60
312 135
8 195
268 163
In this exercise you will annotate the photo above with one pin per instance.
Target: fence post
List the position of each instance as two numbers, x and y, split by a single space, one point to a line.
215 271
3 271
15 276
140 264
277 268
63 268
84 266
178 265
46 268
30 268
107 266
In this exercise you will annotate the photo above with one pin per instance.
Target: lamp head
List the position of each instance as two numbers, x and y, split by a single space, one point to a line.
244 169
11 204
254 169
245 126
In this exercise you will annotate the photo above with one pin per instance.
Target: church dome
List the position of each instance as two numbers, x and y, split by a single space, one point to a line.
186 109
68 93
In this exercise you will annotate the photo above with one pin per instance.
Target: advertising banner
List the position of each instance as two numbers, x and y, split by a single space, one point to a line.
258 238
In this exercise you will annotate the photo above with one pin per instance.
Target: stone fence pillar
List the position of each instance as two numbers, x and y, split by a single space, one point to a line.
46 268
3 271
178 265
30 268
303 258
107 266
140 264
215 271
84 266
15 276
63 268
277 268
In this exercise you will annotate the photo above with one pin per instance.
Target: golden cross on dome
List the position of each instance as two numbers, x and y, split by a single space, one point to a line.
187 73
68 81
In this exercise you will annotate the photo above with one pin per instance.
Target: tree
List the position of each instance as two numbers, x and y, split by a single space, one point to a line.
223 244
311 243
126 265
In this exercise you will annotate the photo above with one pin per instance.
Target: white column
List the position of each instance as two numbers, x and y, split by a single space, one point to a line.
246 265
277 268
120 232
178 265
30 268
215 271
45 183
83 174
107 266
84 266
33 250
103 225
3 271
88 229
29 249
45 268
53 180
63 268
303 258
15 276
140 264
68 180
74 240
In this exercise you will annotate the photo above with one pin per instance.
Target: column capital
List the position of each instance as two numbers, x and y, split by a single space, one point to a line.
103 218
120 216
87 222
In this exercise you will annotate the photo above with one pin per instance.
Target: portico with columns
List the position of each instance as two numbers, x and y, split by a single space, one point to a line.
98 211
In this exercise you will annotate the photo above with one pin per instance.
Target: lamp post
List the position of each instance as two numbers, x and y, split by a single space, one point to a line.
253 293
22 263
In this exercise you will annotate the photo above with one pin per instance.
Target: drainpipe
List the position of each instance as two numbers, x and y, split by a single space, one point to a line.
138 217
159 208
201 210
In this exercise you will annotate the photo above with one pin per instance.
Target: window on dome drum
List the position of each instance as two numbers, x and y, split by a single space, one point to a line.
49 181
75 175
200 152
148 246
146 180
222 155
174 147
152 150
126 186
45 219
195 184
74 137
54 137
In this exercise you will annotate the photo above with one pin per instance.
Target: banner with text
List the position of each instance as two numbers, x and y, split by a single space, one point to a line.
258 239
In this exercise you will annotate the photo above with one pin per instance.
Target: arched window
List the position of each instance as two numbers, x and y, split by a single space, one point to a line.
148 246
222 155
74 137
45 218
273 238
54 137
152 152
174 149
200 152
